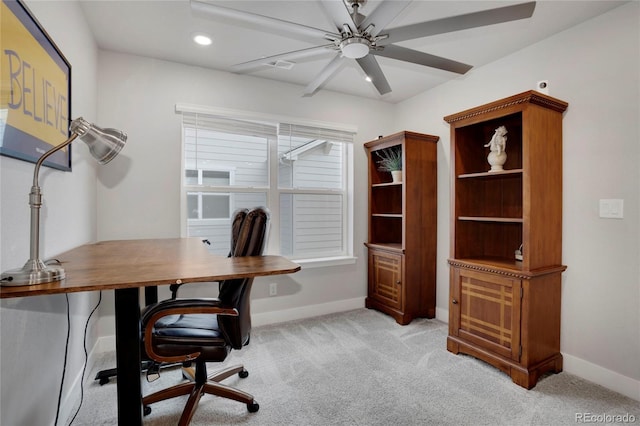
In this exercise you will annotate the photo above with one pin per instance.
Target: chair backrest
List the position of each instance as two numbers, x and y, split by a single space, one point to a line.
249 231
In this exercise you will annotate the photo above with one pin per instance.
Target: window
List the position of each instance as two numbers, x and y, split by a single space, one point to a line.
301 173
207 205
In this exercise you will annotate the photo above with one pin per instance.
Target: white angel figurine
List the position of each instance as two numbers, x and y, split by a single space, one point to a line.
497 145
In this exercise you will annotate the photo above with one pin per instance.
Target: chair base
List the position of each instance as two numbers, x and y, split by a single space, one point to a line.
203 384
104 376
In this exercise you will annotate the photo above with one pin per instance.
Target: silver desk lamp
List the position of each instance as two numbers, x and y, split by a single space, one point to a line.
104 145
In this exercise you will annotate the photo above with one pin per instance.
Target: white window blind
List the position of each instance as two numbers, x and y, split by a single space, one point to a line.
298 171
315 132
228 125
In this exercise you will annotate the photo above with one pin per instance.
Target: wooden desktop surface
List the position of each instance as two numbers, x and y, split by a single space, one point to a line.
123 266
138 263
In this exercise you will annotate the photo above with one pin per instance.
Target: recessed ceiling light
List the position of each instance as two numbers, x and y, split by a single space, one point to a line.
202 39
368 79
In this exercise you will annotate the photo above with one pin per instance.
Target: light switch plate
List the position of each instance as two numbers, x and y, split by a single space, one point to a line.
612 208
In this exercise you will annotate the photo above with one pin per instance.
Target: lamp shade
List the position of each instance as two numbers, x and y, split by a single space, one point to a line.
104 144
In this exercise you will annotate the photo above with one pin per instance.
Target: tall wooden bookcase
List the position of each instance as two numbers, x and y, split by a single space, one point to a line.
402 229
504 310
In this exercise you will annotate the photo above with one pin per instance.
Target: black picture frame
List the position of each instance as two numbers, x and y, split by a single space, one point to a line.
35 84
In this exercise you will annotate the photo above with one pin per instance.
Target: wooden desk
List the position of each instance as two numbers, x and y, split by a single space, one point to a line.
126 265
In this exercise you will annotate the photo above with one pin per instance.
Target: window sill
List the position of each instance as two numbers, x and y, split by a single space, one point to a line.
321 262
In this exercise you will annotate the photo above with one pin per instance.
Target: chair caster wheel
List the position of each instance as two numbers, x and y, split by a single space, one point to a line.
243 375
253 407
146 410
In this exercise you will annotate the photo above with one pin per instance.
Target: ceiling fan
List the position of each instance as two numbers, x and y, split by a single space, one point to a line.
361 37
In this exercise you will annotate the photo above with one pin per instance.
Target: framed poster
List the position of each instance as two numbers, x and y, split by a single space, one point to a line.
35 89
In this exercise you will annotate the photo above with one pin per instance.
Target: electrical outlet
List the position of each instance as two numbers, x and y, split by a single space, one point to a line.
273 289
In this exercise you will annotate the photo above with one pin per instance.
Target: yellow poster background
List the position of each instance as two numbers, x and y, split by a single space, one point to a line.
34 89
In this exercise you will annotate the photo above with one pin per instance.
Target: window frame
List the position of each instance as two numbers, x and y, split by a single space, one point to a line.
273 191
201 189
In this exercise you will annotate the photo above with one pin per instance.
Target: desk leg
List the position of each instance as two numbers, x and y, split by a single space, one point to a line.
150 295
127 305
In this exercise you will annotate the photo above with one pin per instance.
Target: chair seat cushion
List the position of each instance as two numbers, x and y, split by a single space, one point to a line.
182 334
208 323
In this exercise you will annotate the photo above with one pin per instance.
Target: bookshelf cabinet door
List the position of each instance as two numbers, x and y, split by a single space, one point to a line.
486 307
385 279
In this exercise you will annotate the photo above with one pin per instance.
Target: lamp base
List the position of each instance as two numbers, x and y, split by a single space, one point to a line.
33 272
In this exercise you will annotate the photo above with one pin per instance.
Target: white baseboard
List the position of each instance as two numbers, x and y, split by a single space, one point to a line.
108 343
309 311
586 370
602 376
107 331
68 406
572 364
442 315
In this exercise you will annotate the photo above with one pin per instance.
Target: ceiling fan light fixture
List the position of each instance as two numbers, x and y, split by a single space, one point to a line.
355 47
202 39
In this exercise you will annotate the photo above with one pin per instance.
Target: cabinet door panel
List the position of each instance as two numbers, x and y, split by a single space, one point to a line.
490 312
386 279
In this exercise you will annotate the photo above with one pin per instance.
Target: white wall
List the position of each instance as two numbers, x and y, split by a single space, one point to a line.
140 196
33 330
595 68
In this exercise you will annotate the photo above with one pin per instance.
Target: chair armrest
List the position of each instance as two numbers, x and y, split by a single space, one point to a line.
179 307
185 306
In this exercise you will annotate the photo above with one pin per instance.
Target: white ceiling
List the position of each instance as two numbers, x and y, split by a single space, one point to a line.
163 30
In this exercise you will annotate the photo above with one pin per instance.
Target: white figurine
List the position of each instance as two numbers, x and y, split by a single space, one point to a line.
497 145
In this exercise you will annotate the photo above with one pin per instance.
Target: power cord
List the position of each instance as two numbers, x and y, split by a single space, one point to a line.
66 352
86 359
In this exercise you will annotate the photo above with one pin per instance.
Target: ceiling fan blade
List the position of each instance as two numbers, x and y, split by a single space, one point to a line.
460 22
339 14
261 22
383 15
324 76
409 55
289 56
371 67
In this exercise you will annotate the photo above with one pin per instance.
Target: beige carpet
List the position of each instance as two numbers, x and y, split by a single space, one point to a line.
361 368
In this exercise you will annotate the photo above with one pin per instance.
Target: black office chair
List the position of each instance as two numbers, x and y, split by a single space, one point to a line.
206 330
150 367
